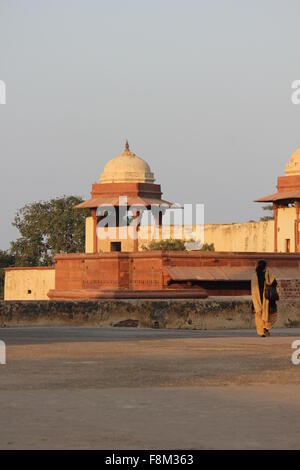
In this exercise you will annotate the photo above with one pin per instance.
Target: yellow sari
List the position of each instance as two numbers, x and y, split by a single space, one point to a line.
263 318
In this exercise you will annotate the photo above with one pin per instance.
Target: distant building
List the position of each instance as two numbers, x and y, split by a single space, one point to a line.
280 235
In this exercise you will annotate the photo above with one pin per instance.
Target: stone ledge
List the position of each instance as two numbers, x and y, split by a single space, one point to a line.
212 313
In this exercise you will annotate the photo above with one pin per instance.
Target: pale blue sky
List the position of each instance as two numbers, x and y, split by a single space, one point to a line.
200 88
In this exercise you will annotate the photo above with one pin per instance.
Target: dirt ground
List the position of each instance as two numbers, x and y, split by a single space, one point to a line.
112 388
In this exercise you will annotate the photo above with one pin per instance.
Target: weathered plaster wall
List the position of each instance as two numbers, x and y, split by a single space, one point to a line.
28 283
248 236
146 235
286 218
213 313
106 235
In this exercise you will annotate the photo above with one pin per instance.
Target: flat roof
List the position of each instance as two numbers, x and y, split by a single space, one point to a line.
226 273
24 268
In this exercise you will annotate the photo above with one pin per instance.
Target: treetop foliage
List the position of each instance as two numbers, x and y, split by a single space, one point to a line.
47 228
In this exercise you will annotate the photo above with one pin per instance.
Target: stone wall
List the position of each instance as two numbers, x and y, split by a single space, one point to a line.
257 236
289 288
213 313
242 237
286 228
31 283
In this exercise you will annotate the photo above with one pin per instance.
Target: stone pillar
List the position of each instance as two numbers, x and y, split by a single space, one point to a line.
297 206
94 215
135 215
275 207
157 215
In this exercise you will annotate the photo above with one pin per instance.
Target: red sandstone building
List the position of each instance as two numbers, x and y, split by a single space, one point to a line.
114 264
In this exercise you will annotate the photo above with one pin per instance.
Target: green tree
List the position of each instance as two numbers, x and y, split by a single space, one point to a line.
47 228
6 260
207 247
166 245
268 207
174 245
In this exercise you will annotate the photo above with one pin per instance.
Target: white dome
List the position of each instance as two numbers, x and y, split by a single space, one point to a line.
127 168
293 167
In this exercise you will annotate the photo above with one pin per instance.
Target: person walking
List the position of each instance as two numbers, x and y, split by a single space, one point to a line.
264 297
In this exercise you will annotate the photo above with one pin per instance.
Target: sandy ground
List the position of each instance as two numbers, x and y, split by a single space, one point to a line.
107 388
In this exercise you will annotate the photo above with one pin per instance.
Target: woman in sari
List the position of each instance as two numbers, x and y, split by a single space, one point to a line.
265 310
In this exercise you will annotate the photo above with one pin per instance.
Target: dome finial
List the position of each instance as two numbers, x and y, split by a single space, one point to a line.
127 146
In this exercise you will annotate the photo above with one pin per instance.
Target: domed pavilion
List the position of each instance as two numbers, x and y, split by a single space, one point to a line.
126 189
286 206
112 265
